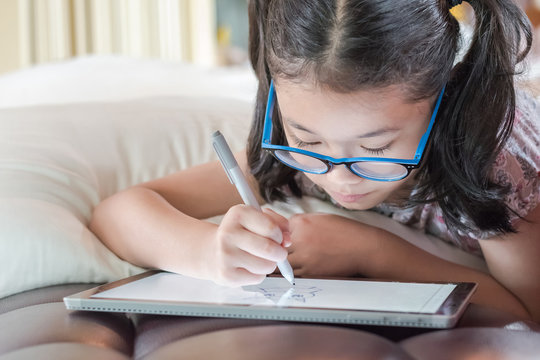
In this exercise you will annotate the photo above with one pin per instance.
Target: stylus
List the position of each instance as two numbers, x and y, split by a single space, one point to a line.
238 179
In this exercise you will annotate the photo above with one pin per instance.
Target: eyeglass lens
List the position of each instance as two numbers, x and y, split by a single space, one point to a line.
369 169
301 161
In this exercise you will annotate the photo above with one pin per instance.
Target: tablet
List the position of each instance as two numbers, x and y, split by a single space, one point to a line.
351 301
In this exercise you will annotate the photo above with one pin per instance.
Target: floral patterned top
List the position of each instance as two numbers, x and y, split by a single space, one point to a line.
518 165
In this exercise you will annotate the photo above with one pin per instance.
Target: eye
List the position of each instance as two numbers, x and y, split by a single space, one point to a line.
378 151
302 144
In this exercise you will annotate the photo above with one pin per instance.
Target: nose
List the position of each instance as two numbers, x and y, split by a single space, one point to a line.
340 174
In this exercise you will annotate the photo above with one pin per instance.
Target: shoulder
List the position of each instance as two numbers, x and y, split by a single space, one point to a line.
518 164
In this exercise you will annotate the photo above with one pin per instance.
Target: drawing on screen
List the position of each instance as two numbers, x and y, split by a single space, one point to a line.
282 294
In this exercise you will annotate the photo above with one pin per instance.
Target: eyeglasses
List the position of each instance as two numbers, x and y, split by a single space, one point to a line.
372 168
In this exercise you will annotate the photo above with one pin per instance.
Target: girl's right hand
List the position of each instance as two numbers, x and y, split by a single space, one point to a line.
247 246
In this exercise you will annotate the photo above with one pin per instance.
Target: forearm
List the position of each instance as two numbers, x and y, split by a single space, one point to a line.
394 258
143 228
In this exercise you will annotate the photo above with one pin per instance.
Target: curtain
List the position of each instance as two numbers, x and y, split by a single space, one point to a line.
182 30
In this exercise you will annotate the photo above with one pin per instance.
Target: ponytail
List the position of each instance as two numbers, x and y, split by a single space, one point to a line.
475 121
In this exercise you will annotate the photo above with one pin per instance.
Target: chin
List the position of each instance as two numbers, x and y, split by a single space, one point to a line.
357 205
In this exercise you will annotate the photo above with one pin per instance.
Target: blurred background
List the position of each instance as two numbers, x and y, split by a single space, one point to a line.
207 32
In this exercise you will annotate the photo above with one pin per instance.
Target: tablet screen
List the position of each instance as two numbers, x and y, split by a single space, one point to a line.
276 291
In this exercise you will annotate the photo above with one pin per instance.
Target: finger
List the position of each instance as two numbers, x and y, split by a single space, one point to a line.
295 261
280 220
287 241
291 249
260 247
299 272
247 278
283 224
240 277
257 222
254 264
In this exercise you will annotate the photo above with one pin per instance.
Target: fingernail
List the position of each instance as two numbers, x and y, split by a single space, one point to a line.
287 239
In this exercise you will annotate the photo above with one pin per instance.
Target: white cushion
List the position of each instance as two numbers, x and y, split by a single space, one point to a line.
58 162
108 78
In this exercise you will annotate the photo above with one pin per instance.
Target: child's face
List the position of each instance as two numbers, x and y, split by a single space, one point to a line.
378 123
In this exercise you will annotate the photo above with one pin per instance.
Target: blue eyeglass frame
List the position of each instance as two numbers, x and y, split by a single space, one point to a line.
408 164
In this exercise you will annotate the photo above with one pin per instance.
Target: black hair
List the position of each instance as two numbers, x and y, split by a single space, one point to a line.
349 45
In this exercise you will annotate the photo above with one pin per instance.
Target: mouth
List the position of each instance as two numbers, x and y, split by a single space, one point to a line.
347 198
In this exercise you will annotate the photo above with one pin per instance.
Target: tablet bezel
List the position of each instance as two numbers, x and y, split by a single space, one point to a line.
445 317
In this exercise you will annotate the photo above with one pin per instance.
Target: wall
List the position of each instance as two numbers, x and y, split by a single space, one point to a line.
9 33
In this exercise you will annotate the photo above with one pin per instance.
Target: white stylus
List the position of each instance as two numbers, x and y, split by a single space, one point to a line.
237 178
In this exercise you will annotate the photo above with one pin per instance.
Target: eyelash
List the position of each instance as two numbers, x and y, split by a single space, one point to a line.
378 151
303 144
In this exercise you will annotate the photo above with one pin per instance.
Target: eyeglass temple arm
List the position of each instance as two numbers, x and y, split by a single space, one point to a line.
267 131
425 137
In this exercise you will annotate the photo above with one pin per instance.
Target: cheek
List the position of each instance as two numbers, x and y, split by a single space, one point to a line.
317 179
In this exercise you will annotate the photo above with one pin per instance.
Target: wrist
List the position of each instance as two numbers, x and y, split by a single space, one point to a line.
191 253
205 255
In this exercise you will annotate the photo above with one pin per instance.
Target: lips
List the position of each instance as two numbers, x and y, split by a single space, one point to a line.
347 198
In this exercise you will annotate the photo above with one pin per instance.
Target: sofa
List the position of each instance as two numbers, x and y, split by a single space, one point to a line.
75 132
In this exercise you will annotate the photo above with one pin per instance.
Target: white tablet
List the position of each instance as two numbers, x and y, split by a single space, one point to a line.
366 302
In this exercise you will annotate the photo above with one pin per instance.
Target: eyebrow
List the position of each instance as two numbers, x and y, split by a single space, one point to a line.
370 134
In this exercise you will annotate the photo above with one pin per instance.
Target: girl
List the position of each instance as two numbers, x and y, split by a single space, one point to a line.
359 102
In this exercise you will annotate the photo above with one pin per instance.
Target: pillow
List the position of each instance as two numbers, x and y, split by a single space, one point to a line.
93 78
57 162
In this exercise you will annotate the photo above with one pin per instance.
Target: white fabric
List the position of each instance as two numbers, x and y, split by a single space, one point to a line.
57 161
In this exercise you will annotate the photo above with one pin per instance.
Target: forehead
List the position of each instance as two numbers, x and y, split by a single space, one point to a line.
325 111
